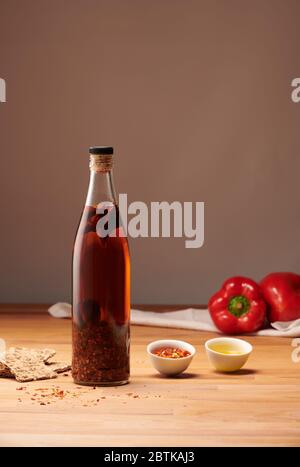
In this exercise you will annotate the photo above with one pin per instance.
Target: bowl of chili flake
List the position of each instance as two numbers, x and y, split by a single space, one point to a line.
170 357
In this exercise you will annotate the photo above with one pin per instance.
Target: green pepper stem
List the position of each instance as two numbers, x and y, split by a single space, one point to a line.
238 305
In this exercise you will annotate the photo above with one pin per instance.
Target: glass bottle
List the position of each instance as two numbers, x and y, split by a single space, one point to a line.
101 283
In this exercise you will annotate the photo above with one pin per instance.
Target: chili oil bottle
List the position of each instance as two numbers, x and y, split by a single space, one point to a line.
101 283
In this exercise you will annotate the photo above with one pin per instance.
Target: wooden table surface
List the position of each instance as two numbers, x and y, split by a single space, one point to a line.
259 406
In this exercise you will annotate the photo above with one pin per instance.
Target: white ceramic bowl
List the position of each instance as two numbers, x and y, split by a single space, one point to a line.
228 362
170 366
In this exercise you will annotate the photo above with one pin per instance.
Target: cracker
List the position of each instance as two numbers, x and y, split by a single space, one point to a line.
30 364
59 367
29 354
5 371
33 373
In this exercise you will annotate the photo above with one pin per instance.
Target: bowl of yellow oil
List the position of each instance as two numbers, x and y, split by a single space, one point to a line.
228 354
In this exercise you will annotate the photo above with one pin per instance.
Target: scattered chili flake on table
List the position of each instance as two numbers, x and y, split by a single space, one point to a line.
51 395
171 352
45 396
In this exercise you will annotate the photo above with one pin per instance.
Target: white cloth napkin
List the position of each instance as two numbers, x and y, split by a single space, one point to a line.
189 318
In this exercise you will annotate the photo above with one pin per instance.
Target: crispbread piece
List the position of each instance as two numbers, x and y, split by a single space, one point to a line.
5 371
30 364
33 373
59 367
42 355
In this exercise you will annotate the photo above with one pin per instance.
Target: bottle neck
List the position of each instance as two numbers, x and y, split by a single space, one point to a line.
101 186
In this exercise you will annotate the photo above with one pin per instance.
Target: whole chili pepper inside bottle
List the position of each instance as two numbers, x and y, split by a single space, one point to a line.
101 283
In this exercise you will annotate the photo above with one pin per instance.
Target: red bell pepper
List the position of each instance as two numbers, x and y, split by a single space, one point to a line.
238 307
281 291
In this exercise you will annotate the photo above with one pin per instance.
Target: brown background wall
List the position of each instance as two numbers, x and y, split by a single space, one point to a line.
195 98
